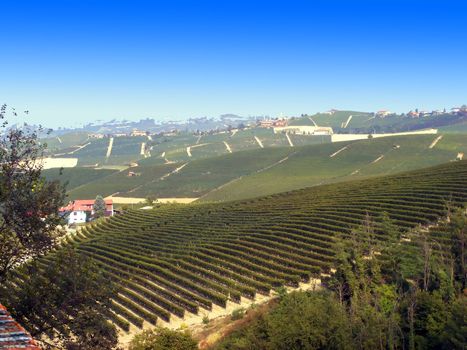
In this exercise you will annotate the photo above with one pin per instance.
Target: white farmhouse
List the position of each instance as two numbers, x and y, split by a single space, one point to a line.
77 217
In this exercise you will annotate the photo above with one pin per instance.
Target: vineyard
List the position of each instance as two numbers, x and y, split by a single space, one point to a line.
179 260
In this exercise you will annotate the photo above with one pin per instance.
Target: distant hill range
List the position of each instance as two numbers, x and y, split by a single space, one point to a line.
151 125
236 158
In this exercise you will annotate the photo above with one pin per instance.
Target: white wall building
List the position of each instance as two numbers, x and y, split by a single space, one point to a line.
77 217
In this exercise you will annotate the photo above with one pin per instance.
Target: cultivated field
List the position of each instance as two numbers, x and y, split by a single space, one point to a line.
176 261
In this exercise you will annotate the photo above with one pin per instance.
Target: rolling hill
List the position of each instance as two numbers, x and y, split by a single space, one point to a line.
177 263
365 123
252 173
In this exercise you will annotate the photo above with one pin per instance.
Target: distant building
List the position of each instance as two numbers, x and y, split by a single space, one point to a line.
271 123
304 130
331 111
138 133
383 113
96 136
413 114
12 335
460 156
78 210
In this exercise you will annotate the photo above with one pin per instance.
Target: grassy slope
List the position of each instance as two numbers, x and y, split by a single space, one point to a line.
121 182
312 165
76 177
363 122
200 176
68 140
127 149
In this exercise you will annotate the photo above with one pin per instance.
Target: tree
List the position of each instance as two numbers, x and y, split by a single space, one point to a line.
163 339
150 200
458 229
99 207
320 323
64 301
28 203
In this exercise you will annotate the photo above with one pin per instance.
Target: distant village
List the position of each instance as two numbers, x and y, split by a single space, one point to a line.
282 124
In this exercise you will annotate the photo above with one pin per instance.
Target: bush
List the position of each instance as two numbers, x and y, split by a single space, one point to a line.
238 314
163 339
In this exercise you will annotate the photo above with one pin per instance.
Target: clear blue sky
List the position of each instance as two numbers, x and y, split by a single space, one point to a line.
75 61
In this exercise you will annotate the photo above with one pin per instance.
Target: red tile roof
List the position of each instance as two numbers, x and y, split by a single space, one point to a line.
85 205
12 335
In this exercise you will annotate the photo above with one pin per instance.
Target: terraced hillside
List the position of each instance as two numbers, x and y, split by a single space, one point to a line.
252 173
320 164
177 261
364 122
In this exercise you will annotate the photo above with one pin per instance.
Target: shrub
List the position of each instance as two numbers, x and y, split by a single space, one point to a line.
238 314
163 339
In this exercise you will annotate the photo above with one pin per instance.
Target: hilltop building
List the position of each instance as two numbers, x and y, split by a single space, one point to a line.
138 133
12 335
383 113
96 136
79 210
271 123
331 111
304 130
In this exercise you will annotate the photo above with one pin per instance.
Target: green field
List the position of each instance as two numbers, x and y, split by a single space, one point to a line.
75 177
178 260
363 122
312 165
256 172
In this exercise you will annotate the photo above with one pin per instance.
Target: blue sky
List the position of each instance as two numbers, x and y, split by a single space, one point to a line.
76 61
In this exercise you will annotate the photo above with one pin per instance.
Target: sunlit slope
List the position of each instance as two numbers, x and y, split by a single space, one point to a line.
363 122
65 143
164 149
75 177
178 261
312 165
125 181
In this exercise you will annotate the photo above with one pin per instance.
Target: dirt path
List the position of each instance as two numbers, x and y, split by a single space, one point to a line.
143 146
109 147
377 159
173 171
199 139
259 142
344 126
435 141
338 151
288 139
59 139
314 123
76 150
188 151
227 146
234 132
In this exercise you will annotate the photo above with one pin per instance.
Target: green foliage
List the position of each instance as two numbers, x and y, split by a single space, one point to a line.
238 314
99 207
163 339
302 320
205 319
64 301
28 203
